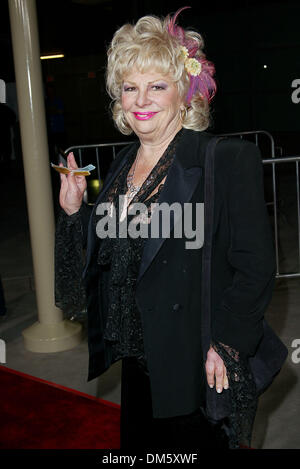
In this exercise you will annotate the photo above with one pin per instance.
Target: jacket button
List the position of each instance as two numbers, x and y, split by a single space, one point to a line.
176 307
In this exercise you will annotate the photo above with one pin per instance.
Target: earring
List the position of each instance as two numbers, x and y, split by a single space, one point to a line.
123 120
183 113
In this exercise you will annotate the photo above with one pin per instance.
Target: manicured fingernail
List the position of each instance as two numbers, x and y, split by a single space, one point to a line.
219 390
211 386
226 386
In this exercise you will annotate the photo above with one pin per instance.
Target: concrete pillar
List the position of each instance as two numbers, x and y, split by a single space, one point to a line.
50 333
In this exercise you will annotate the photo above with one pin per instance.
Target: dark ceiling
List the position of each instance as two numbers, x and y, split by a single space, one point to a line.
84 27
242 36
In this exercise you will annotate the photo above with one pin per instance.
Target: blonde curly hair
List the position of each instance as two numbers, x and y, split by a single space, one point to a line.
147 45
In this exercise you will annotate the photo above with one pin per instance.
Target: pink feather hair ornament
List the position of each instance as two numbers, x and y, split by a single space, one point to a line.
200 70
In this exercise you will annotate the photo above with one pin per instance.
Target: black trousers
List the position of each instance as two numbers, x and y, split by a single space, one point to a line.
140 431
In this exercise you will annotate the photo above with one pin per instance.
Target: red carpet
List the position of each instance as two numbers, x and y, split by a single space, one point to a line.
36 414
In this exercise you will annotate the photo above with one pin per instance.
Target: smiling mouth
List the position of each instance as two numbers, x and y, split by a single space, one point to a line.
142 116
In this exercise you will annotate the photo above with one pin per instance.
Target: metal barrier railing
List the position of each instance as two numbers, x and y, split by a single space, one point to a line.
97 146
273 160
256 134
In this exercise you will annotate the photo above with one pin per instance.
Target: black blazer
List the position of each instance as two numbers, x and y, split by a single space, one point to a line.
168 292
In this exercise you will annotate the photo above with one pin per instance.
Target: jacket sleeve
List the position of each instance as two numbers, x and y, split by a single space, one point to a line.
238 318
70 241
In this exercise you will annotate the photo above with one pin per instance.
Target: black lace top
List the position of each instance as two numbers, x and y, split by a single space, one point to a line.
122 255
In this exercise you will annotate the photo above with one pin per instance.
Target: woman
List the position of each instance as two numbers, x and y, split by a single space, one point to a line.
144 293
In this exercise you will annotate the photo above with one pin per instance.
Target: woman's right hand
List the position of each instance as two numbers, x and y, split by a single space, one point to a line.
72 188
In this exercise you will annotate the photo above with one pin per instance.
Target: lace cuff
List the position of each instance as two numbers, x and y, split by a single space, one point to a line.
243 395
69 261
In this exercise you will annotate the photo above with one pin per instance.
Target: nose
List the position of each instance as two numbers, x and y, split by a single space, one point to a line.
143 98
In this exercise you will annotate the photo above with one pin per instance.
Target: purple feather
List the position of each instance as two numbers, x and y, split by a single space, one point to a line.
172 27
204 82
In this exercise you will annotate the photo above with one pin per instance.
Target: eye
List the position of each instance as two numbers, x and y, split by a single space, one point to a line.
158 87
128 88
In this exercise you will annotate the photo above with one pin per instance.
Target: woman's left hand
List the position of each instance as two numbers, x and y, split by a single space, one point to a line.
216 371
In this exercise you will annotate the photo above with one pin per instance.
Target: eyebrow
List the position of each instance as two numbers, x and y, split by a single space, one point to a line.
149 83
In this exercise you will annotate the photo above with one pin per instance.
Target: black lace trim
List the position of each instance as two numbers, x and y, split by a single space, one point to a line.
243 396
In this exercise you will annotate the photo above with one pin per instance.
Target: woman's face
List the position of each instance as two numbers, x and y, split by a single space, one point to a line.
151 105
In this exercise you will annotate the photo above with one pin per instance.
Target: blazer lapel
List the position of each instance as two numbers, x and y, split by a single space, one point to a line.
185 173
